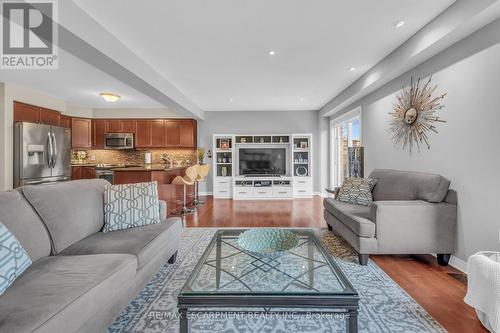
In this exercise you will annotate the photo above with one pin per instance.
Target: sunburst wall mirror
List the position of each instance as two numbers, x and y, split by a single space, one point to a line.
414 115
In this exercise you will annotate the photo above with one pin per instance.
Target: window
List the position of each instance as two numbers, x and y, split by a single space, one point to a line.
345 132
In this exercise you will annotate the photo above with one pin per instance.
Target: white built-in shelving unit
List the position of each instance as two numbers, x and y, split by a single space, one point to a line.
227 183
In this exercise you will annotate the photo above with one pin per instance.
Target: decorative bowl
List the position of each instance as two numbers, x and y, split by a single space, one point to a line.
267 242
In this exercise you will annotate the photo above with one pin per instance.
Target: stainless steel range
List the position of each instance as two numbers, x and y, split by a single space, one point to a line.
105 171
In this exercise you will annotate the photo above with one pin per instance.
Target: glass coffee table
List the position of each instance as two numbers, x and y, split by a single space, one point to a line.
304 279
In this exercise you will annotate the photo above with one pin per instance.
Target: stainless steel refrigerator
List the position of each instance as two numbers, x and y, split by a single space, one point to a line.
42 154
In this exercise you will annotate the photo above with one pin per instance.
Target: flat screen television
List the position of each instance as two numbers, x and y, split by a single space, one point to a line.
262 161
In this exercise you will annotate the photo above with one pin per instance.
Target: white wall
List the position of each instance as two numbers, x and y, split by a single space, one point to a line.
255 122
467 148
13 93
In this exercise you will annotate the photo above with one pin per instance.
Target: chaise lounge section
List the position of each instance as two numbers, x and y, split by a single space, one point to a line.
412 213
80 278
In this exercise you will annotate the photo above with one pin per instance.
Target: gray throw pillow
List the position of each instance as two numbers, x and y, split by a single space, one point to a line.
357 191
130 206
13 258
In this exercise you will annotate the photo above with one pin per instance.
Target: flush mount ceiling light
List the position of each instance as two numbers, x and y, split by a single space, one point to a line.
230 100
110 97
272 52
398 24
352 69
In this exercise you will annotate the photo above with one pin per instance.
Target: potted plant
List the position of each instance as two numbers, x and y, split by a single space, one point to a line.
200 153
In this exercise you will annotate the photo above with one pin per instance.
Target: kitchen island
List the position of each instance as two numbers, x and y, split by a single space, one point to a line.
168 192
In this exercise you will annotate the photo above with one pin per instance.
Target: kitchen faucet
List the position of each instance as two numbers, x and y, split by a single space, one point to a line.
168 159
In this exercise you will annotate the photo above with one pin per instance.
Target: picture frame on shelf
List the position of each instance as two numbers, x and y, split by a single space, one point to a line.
303 145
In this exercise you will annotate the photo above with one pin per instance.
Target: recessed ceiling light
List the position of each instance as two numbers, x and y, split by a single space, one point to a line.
398 24
302 99
272 52
352 69
110 97
230 99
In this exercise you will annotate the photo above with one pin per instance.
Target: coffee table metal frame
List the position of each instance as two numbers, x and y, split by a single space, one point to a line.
346 302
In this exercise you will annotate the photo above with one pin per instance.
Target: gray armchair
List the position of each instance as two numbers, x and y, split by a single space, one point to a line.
412 213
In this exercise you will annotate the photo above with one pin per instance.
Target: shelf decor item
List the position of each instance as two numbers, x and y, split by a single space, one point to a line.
224 171
224 144
243 140
301 171
414 115
303 145
267 242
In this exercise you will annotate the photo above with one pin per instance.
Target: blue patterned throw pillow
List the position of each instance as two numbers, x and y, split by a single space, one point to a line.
130 206
13 258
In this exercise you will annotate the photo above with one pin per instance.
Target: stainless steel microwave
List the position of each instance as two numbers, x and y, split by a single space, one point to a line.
119 141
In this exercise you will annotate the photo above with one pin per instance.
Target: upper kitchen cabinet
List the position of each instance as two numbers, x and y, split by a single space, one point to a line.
172 137
120 126
81 133
26 113
49 117
187 133
157 133
98 132
114 126
128 126
180 133
150 133
34 114
142 134
65 121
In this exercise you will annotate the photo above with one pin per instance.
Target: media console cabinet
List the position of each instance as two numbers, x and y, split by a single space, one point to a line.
232 182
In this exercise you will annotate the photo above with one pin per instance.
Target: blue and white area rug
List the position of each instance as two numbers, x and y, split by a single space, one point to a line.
384 306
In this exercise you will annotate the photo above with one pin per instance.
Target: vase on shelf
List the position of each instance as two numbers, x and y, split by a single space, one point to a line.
223 171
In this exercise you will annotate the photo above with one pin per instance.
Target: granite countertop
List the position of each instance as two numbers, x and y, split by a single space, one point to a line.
152 167
84 164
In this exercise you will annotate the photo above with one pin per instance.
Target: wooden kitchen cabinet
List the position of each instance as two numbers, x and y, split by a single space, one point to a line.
82 172
157 133
142 134
187 134
172 139
180 133
49 117
65 121
114 126
34 114
81 133
128 126
150 133
98 132
26 113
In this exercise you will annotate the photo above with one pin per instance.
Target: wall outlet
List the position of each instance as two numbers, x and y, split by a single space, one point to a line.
92 158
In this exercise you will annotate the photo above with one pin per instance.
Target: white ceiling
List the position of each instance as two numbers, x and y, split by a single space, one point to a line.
78 84
216 52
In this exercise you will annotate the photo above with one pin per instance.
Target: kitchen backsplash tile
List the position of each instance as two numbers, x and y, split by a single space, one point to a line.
184 157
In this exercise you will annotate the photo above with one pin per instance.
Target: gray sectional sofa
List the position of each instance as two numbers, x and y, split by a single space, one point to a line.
80 278
412 213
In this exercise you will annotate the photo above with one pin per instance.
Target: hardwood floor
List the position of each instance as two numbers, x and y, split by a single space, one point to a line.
428 283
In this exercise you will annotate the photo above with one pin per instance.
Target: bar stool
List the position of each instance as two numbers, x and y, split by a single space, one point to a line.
188 179
202 176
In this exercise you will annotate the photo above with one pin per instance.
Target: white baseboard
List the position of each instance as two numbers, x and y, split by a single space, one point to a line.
457 263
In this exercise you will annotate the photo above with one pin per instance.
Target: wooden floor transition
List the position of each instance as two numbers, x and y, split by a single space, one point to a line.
428 283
